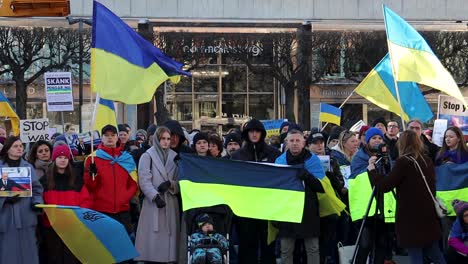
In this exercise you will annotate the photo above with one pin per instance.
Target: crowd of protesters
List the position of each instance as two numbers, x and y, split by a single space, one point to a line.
132 177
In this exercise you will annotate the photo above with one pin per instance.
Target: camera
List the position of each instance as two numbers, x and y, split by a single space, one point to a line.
380 151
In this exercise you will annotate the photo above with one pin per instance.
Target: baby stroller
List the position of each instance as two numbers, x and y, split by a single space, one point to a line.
222 217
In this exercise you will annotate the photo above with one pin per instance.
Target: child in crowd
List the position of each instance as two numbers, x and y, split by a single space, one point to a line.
206 245
458 239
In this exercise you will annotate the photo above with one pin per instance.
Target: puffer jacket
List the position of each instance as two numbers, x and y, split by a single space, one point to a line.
113 187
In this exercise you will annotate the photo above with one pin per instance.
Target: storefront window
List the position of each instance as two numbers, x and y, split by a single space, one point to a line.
261 80
236 79
261 106
234 105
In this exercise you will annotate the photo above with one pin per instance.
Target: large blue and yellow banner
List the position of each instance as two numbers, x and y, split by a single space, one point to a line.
126 67
254 190
91 236
7 111
413 59
451 184
379 88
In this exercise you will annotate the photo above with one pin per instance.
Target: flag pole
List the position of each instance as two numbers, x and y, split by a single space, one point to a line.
393 71
342 104
93 121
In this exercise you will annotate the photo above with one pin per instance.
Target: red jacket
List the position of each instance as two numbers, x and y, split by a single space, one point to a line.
113 187
63 194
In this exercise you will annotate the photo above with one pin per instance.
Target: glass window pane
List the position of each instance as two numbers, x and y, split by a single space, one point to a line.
236 79
234 105
261 106
261 80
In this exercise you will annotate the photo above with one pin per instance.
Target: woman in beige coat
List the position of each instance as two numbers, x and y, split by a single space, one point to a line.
158 227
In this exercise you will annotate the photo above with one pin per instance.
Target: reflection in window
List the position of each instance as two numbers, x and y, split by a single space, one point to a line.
261 106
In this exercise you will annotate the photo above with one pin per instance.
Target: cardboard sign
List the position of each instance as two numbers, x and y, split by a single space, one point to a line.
440 125
59 91
15 181
454 112
32 130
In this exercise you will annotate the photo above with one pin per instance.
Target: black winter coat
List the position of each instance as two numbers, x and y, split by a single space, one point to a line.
258 152
310 224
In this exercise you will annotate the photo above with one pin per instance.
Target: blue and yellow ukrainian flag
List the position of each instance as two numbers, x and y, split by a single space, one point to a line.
261 191
104 113
451 184
379 88
124 66
330 114
7 111
413 59
91 236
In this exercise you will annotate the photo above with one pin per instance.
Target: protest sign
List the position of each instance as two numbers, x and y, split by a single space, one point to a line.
440 125
59 91
32 130
15 181
454 112
272 126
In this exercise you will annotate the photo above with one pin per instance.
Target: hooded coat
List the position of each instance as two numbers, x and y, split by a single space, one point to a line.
258 152
158 228
176 129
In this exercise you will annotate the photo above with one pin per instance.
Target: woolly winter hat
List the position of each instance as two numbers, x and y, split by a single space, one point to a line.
61 150
232 137
204 219
363 130
372 132
199 136
459 206
150 130
142 132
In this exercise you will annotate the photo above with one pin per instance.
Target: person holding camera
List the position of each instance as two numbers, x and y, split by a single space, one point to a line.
417 224
159 223
374 233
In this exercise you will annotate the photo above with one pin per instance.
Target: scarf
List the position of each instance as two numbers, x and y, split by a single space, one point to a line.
299 159
162 153
41 167
125 160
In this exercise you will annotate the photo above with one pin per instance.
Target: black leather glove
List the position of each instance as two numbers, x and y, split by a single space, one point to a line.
12 199
160 203
93 168
303 174
176 158
163 187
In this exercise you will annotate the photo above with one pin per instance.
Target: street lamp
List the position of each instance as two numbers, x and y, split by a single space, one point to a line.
80 21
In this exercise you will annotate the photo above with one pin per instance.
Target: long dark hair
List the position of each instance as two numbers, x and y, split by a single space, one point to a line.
9 141
52 172
461 144
409 143
33 152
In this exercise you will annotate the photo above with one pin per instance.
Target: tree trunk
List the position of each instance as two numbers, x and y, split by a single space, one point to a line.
304 57
21 96
289 107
